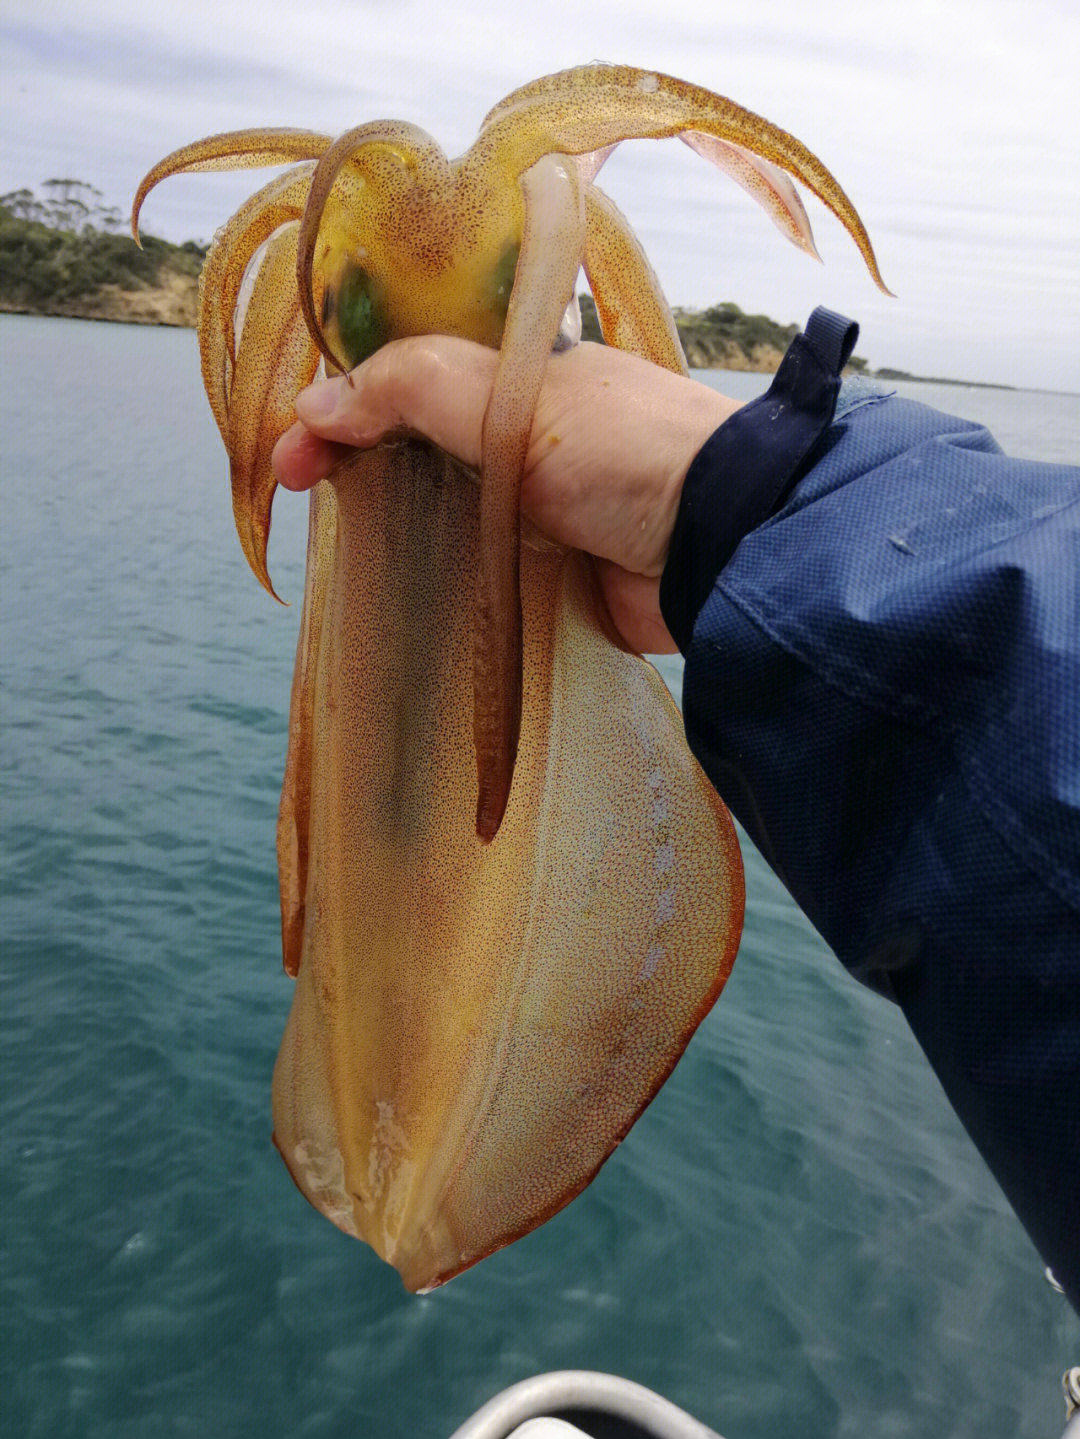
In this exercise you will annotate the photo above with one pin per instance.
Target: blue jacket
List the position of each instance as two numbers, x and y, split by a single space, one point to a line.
880 614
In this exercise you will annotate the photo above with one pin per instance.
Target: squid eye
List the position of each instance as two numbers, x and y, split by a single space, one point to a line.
356 307
502 279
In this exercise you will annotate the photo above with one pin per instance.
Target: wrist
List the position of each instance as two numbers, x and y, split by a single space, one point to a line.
744 472
704 412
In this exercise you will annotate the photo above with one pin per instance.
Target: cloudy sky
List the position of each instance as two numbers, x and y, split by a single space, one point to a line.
954 128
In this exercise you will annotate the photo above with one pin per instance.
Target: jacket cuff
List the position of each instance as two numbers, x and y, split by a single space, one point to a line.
747 468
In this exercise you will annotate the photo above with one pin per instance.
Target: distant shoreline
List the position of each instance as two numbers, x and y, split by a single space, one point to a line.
64 257
174 305
156 307
887 374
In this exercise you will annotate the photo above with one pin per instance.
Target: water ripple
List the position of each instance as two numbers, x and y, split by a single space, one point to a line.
796 1237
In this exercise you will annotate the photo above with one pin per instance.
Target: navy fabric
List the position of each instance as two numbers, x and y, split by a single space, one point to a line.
883 682
759 451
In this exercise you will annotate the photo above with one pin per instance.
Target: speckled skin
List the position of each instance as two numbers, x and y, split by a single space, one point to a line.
476 1026
509 895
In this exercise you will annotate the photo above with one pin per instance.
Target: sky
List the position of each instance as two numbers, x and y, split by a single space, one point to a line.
954 128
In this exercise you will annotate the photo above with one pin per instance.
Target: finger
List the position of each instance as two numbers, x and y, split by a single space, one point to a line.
301 459
633 602
434 386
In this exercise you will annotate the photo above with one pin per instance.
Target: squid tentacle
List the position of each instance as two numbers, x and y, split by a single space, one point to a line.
234 150
547 268
277 358
223 275
586 109
762 180
630 305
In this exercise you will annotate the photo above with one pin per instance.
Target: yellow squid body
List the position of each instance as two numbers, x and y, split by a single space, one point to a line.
509 894
476 1026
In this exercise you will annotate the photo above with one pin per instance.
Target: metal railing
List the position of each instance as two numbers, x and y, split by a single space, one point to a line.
582 1404
558 1406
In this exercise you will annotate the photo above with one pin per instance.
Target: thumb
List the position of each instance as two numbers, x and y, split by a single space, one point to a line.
435 386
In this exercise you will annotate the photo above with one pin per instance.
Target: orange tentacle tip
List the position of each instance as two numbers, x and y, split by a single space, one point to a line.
475 1026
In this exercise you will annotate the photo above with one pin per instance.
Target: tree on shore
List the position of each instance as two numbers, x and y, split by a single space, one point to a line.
69 205
66 243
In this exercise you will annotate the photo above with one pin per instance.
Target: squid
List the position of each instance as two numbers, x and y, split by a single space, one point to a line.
509 895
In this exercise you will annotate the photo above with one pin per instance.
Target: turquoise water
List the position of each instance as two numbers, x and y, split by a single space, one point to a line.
797 1237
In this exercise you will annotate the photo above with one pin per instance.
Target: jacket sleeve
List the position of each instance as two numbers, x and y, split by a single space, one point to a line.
880 615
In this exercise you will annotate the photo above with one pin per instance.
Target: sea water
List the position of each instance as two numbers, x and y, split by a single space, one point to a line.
797 1238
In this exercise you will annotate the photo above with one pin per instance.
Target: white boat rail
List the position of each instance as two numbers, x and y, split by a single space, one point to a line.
579 1402
584 1404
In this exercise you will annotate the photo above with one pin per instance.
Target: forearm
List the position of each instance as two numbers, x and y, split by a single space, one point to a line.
883 682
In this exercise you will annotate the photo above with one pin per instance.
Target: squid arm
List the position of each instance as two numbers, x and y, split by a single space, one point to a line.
767 184
551 248
220 284
276 359
764 181
630 305
347 169
222 278
584 110
235 150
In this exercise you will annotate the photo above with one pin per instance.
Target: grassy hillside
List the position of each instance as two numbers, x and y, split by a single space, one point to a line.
73 258
721 337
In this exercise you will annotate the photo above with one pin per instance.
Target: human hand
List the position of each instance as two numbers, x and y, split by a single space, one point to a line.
612 440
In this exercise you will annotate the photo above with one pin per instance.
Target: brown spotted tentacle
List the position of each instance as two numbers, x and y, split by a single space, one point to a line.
586 109
548 265
223 275
630 305
276 359
235 150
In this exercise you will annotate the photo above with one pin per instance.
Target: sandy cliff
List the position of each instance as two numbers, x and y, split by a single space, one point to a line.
728 355
173 302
